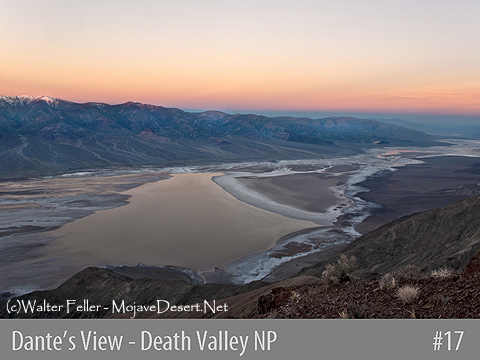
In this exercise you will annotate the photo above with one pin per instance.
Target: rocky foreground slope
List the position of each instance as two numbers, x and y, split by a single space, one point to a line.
441 295
398 254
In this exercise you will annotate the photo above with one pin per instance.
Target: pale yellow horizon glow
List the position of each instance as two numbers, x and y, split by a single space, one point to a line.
393 56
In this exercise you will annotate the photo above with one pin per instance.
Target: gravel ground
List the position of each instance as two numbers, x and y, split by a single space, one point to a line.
450 298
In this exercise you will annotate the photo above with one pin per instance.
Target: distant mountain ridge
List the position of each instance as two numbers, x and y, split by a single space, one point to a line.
49 134
445 130
24 100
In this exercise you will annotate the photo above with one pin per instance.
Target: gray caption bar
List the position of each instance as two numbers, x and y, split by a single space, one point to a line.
239 339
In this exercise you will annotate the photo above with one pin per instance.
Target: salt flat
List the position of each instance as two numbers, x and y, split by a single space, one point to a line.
186 220
189 221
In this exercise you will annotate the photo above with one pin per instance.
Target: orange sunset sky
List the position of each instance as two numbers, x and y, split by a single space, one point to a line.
371 56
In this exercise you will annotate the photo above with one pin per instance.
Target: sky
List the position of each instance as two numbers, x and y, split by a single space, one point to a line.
302 56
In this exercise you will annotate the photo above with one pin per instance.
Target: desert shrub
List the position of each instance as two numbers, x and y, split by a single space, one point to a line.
443 273
357 310
387 282
340 271
295 297
408 294
343 315
408 272
412 314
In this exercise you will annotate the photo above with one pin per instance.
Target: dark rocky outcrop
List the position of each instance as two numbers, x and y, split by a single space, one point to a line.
472 270
269 302
101 286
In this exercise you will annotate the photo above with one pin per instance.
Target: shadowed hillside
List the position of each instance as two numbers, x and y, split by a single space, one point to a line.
448 236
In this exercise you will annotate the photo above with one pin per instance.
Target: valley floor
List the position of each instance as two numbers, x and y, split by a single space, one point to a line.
361 192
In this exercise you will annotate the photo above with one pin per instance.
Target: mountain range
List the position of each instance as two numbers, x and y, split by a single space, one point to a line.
45 134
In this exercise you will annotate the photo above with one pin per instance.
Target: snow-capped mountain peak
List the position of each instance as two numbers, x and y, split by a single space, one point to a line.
23 100
48 99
